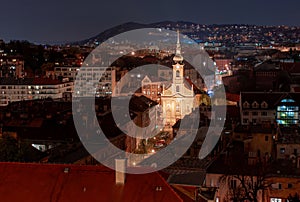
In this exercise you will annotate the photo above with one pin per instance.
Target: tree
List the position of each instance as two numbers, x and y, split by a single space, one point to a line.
12 150
245 182
248 186
47 67
9 150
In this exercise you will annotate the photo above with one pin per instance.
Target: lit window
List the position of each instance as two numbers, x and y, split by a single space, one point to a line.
275 200
177 107
287 112
287 100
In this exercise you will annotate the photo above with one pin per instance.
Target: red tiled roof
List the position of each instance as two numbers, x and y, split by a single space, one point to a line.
46 182
183 195
46 81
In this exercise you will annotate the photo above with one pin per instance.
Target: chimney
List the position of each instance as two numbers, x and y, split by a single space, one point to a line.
120 171
298 162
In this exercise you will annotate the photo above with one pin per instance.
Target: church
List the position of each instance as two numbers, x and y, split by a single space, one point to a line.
178 99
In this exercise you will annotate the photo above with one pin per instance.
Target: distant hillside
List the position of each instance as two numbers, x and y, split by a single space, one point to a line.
229 34
112 32
130 26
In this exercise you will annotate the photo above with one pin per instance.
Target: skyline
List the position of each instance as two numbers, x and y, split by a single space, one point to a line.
55 21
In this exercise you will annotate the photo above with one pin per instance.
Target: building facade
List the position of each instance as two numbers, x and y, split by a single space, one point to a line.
178 98
269 107
13 90
96 81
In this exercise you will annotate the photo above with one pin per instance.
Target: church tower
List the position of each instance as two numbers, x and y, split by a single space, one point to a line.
178 70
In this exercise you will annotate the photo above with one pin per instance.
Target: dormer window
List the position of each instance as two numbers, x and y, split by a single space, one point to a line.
246 105
255 105
264 105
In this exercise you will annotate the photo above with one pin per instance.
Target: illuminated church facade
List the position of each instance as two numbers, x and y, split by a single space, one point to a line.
178 99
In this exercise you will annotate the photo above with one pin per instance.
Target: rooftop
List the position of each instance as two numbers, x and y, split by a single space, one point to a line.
272 99
45 182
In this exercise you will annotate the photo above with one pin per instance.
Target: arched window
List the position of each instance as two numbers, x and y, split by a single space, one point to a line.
177 89
177 73
287 100
177 107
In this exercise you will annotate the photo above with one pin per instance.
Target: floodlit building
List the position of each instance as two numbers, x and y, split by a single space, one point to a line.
178 99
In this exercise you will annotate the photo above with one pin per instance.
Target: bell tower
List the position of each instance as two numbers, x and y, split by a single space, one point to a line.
178 69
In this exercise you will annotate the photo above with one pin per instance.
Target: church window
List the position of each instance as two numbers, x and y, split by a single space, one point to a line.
177 73
177 107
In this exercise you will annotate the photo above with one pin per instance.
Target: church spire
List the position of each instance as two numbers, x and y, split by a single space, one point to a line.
178 57
178 47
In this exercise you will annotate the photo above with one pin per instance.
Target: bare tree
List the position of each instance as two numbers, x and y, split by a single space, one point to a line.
245 182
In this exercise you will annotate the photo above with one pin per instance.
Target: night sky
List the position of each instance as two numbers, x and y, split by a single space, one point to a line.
69 20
